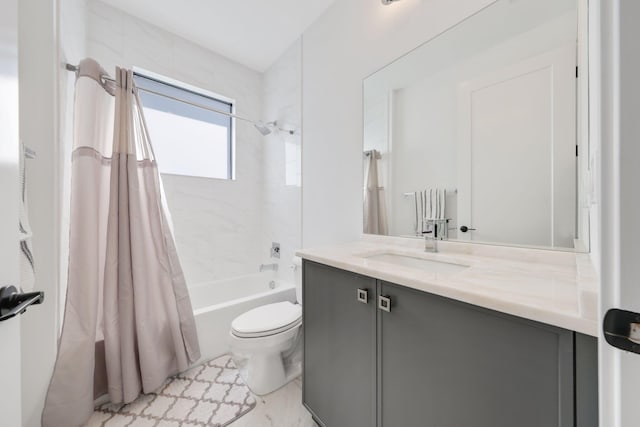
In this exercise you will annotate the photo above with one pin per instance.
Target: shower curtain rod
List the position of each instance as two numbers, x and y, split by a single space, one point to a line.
75 68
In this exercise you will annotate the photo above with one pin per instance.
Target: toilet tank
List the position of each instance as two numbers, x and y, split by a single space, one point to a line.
297 273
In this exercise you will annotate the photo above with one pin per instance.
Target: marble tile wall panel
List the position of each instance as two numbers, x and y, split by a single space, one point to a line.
282 158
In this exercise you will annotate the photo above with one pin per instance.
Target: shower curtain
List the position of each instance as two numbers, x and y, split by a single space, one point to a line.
375 211
128 322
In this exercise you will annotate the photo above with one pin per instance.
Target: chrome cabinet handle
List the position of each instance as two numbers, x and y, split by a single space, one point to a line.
363 296
384 303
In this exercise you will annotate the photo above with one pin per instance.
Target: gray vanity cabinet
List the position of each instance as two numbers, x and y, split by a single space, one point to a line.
448 364
339 384
435 362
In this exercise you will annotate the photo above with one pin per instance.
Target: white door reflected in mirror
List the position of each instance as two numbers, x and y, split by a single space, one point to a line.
534 148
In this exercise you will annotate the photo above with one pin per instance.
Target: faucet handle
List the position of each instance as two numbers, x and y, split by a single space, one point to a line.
438 228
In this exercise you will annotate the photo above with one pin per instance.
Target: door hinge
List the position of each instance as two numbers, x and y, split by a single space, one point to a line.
576 72
576 150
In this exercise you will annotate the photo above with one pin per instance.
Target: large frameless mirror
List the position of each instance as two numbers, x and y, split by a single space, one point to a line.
485 128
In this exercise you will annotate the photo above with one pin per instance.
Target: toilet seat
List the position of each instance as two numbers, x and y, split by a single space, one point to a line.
267 320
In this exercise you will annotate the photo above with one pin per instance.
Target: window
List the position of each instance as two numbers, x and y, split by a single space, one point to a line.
187 139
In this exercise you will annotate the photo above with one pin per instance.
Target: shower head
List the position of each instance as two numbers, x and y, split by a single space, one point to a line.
269 127
262 128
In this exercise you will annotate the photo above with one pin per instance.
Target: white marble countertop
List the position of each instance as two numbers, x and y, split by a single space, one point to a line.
552 287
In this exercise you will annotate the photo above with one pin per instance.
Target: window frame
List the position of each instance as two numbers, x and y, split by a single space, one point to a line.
207 96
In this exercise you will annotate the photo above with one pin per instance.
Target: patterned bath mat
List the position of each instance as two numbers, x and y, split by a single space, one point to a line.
209 395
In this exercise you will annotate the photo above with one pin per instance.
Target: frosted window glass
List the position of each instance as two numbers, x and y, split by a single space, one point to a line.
184 146
187 140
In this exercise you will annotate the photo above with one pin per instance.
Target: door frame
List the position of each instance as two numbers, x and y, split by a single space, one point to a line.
614 31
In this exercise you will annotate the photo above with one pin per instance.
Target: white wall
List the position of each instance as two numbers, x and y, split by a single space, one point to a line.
281 213
351 40
218 223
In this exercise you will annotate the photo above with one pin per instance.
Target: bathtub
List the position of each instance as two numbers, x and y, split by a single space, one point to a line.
217 303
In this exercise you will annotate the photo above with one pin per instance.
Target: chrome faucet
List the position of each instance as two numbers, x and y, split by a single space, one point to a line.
430 243
436 229
264 267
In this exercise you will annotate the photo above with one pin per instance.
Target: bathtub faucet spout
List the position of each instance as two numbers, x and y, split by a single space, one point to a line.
264 267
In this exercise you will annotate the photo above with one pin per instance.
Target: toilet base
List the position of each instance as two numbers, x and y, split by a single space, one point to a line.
268 363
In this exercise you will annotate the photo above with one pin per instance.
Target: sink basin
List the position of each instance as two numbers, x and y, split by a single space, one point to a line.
427 265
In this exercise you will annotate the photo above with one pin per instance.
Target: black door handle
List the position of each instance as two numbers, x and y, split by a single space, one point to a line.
13 303
622 329
464 229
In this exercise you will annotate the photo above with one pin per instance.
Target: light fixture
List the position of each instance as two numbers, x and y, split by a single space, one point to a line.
387 2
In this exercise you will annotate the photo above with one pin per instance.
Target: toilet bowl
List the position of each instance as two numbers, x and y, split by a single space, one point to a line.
266 342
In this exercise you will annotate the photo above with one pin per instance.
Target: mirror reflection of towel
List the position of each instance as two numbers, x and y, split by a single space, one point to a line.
429 204
375 211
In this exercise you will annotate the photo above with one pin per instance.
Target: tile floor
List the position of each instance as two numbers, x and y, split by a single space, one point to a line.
282 408
210 394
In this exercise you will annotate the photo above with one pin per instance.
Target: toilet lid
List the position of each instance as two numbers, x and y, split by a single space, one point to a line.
267 319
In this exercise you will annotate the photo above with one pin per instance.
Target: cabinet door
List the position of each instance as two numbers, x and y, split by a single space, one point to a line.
339 383
586 360
444 363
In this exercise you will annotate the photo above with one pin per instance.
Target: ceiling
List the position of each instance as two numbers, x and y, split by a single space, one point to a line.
252 32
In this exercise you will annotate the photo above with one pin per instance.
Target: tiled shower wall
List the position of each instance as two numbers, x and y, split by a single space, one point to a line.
282 158
220 226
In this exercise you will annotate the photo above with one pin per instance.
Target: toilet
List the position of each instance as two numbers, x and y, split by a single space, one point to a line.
266 342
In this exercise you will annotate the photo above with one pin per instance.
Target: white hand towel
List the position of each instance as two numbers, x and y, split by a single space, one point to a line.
421 210
440 203
426 213
417 197
444 204
433 203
